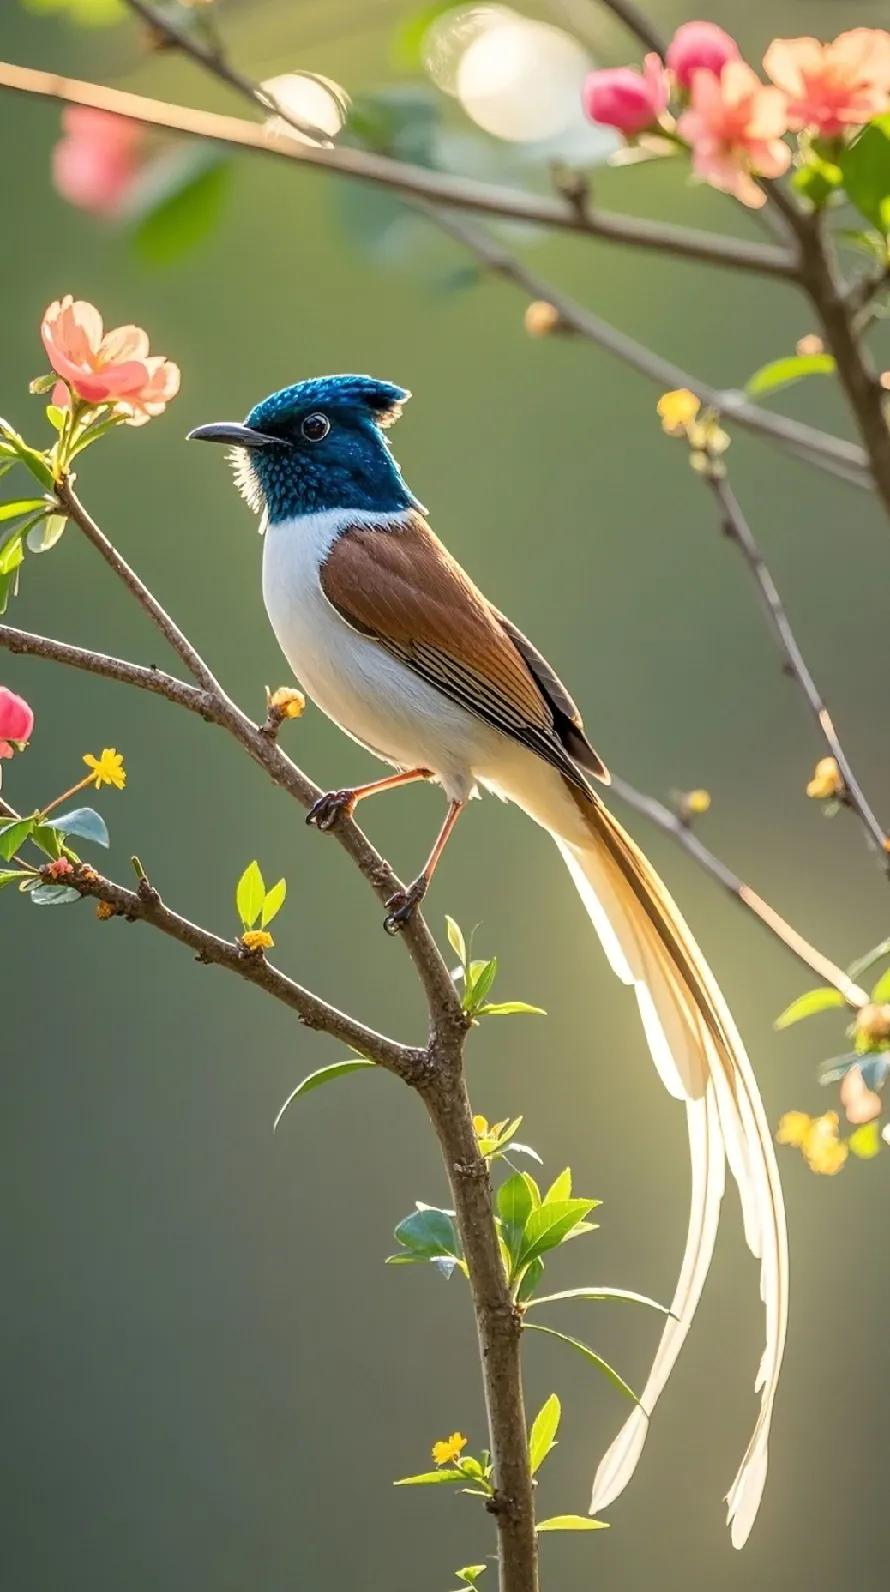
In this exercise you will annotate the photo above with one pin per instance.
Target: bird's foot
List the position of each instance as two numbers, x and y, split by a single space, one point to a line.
404 904
335 804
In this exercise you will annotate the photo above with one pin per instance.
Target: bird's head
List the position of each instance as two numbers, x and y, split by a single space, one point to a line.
318 445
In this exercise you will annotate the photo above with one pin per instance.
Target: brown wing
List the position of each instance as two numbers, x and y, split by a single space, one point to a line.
399 585
567 720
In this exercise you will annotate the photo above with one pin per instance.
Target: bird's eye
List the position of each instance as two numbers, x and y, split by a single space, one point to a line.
315 427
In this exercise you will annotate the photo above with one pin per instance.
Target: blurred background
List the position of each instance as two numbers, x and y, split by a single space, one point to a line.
210 1380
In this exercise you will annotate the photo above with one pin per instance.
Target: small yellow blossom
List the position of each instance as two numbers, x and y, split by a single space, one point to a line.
817 1138
104 910
107 769
677 410
449 1449
696 802
287 702
810 344
257 940
541 318
827 780
793 1128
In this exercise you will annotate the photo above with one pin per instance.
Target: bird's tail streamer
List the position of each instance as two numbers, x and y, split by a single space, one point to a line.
701 1060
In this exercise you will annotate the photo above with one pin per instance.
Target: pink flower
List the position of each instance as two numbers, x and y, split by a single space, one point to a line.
623 98
860 1103
16 721
700 47
106 367
735 127
95 161
832 86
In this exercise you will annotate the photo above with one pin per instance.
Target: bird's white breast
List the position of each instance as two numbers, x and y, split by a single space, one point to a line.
371 695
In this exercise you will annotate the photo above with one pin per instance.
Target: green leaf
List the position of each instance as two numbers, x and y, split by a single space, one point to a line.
429 1232
480 978
84 822
470 1573
560 1189
822 999
509 1009
542 1437
338 1069
250 894
782 372
514 1207
11 876
178 202
459 947
624 1294
817 180
866 1141
589 1354
572 1523
30 458
866 170
550 1225
13 836
273 902
881 992
17 510
48 839
45 532
530 1279
53 895
430 1478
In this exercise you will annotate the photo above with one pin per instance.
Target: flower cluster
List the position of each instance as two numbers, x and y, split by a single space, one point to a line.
100 367
733 123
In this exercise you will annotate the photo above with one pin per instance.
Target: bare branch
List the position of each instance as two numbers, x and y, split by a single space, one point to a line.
637 23
830 453
793 941
415 182
738 531
145 677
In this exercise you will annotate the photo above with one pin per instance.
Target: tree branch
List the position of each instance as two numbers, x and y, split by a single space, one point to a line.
147 678
415 182
637 23
737 529
793 941
833 454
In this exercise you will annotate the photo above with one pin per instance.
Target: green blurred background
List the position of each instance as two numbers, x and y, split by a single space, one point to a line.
209 1378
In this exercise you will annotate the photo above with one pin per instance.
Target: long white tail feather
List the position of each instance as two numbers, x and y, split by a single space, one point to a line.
700 1058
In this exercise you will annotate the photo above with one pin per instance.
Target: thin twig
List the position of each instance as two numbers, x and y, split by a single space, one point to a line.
737 529
213 60
834 454
138 674
637 23
416 182
790 937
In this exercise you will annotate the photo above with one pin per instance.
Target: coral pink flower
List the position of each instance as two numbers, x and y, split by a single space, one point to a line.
623 98
16 720
700 47
735 127
832 86
106 367
95 161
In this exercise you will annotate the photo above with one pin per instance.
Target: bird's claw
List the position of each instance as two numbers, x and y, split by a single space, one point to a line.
335 804
403 905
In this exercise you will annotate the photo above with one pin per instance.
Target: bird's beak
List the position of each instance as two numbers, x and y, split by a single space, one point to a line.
236 435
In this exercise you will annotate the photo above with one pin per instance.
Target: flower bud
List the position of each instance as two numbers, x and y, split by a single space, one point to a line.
700 47
624 98
827 780
873 1023
541 318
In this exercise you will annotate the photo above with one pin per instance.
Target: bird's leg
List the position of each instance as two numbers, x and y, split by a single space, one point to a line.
404 903
336 803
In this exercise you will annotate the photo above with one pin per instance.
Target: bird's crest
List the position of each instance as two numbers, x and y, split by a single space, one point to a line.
379 401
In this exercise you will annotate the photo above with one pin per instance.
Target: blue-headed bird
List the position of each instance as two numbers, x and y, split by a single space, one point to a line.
396 644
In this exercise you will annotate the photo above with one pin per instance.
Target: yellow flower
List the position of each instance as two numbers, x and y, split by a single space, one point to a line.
827 780
825 1151
257 940
793 1128
104 910
696 802
541 318
108 769
449 1449
817 1138
677 410
287 702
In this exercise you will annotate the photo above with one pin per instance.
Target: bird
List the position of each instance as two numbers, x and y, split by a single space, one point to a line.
395 643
